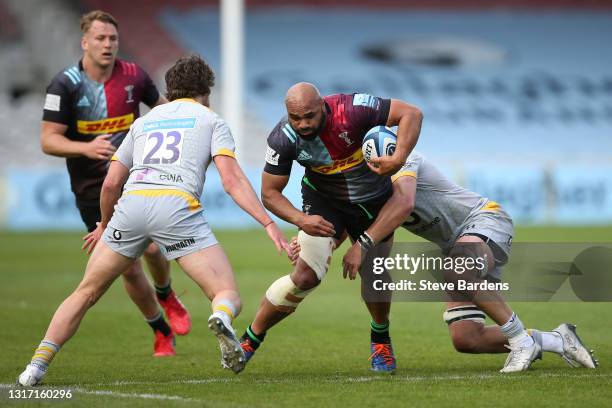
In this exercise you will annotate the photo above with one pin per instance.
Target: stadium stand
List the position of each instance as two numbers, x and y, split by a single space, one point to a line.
502 82
9 30
37 50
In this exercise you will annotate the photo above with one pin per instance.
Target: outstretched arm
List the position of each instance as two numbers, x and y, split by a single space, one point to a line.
391 216
396 209
237 185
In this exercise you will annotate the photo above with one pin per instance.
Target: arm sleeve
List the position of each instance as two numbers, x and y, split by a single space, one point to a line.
150 94
125 153
222 142
410 168
280 153
371 110
58 107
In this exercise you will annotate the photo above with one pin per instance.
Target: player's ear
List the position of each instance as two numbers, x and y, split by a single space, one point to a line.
83 43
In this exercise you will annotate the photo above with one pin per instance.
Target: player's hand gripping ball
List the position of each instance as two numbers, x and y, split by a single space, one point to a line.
379 141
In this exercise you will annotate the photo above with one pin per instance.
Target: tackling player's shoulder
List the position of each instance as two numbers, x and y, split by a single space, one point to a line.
410 167
415 155
414 160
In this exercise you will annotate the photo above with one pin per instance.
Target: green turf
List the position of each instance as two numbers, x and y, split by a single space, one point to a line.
317 357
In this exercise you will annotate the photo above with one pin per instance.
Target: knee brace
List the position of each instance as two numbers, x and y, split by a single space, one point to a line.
316 252
468 312
285 295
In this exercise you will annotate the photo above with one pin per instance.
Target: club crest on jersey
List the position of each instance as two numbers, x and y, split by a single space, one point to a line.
344 136
130 93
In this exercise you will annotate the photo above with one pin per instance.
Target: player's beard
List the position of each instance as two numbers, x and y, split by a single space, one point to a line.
313 133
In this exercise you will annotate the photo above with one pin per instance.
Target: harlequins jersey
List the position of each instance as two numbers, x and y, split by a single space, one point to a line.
90 109
333 160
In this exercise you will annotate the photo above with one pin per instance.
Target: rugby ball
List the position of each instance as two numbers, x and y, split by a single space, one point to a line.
379 141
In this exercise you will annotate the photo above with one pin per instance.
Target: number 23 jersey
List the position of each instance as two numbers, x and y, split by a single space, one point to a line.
172 146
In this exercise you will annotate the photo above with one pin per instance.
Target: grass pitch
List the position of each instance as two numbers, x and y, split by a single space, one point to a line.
317 357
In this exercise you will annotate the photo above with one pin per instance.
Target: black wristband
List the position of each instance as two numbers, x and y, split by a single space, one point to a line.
366 241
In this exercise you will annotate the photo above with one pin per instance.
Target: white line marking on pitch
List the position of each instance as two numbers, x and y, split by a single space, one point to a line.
361 379
467 377
341 379
130 395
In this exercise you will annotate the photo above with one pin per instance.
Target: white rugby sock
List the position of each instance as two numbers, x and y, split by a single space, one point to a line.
226 307
44 354
549 341
515 332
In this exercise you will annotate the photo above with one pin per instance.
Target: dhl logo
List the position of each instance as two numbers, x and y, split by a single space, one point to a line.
341 165
108 125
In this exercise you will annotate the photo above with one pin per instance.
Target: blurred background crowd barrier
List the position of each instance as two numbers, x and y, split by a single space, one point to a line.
517 95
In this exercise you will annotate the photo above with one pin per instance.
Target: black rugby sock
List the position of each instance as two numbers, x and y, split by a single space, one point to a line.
163 292
379 333
256 339
159 323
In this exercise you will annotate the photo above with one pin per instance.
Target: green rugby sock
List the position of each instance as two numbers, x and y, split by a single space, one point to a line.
256 339
379 333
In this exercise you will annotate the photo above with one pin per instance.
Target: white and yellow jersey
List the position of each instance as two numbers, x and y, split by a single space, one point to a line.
443 209
172 146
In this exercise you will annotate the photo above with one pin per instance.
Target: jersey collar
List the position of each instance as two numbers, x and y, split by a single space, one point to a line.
186 100
115 70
